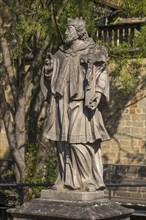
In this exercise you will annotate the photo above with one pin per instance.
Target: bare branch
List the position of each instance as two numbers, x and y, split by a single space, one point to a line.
64 3
10 131
8 63
54 19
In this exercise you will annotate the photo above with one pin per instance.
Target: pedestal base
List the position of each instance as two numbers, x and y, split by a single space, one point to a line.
85 208
54 195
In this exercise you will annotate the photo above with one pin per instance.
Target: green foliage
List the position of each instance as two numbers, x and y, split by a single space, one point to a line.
84 9
135 8
129 70
38 153
32 158
140 42
125 81
126 69
32 19
35 18
48 171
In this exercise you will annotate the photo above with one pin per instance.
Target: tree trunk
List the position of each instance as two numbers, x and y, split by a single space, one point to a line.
13 117
10 131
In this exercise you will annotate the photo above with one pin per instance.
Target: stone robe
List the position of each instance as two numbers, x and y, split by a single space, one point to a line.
75 128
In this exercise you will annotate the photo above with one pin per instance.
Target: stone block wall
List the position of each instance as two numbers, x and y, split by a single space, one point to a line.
134 179
127 127
128 138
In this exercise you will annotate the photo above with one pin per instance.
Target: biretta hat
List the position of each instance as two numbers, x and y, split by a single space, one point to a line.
77 22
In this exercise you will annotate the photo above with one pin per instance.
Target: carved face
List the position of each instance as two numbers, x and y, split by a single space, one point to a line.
70 34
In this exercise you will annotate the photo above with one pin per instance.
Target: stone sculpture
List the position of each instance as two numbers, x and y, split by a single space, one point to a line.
76 84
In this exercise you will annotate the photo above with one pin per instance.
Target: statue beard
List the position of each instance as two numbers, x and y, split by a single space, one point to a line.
70 38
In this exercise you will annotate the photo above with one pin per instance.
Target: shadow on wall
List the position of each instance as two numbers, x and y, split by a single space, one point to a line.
118 103
133 157
124 174
142 171
113 113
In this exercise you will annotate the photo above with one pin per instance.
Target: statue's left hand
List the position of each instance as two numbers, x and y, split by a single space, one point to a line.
95 101
48 67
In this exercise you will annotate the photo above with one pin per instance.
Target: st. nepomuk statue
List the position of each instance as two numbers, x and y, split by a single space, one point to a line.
75 81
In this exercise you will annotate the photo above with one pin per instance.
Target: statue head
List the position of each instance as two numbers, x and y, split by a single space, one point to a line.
77 22
75 30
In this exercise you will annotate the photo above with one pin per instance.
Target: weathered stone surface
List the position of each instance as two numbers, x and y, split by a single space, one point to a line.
39 209
71 195
75 81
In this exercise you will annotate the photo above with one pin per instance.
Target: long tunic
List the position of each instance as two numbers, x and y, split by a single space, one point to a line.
68 118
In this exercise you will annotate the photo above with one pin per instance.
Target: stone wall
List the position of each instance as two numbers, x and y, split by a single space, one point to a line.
127 127
131 180
128 133
4 147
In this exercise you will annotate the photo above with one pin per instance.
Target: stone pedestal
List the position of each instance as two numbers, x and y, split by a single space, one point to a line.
55 205
54 195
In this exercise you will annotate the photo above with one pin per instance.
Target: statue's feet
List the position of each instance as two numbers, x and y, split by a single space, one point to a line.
58 186
90 188
61 187
102 188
